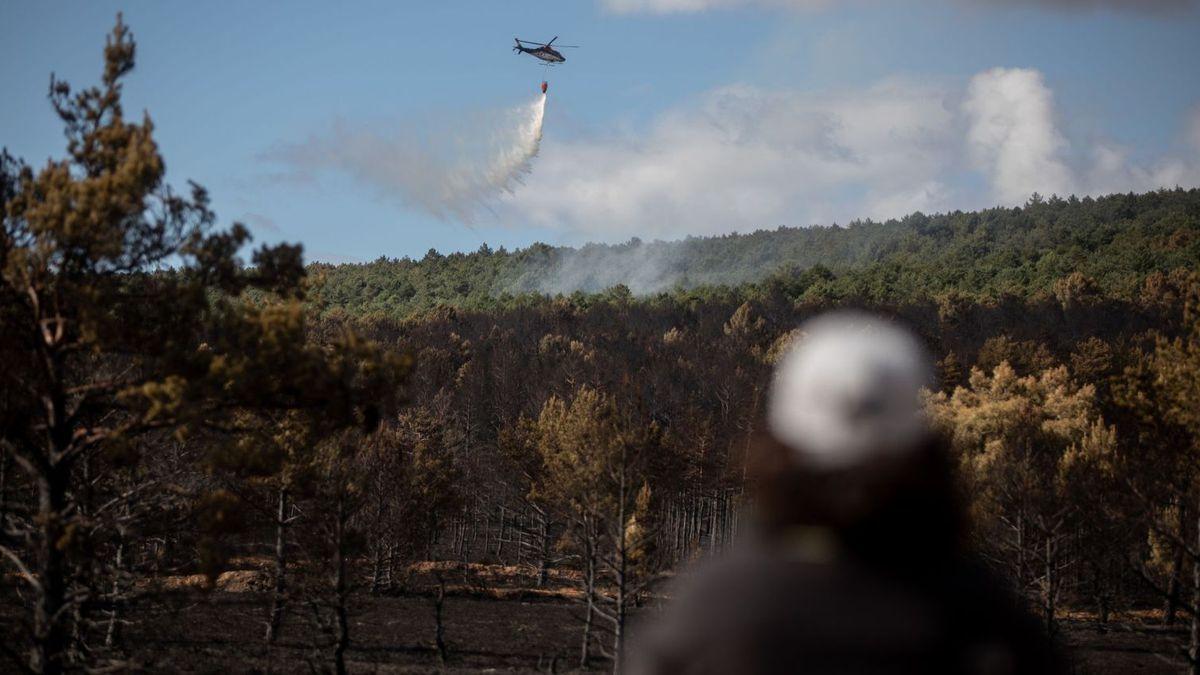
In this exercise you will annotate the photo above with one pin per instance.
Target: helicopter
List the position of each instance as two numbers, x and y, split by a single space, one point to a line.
542 51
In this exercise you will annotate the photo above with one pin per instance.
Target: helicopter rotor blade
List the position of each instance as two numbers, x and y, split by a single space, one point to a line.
526 43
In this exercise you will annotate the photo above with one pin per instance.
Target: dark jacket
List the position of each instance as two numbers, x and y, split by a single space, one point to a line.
855 573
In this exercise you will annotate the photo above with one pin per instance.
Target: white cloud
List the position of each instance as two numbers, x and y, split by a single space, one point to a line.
1013 137
1112 170
928 197
743 158
746 158
740 158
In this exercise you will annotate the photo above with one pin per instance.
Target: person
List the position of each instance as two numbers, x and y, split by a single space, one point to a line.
857 561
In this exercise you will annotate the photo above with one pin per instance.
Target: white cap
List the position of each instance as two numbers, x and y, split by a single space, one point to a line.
848 391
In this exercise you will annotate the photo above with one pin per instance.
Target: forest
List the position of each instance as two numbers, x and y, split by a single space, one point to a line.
258 464
1114 241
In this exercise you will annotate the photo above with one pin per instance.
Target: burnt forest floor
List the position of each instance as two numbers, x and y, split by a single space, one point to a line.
495 620
223 632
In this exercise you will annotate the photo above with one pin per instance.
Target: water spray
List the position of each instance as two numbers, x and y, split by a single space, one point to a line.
511 164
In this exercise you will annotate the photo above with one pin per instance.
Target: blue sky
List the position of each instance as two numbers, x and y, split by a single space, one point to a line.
675 117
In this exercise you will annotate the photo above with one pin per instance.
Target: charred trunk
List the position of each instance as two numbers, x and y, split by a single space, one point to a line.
279 591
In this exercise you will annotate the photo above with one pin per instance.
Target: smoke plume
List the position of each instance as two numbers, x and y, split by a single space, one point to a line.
641 267
452 168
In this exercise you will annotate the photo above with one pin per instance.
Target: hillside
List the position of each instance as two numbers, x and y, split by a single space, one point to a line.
1114 241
